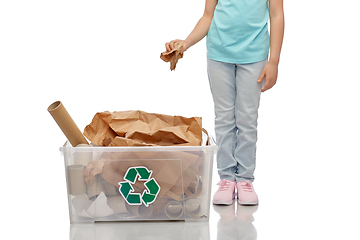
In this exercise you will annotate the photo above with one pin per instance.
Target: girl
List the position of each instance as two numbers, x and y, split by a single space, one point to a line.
239 69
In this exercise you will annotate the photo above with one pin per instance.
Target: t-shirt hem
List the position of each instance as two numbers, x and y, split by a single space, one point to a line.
238 61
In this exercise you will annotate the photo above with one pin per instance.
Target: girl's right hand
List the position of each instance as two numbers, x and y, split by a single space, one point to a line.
170 45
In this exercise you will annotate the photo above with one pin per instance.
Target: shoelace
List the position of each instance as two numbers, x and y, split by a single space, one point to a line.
246 186
224 185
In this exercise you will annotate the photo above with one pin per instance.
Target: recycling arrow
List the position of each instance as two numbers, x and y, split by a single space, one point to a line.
131 175
125 189
144 173
133 172
147 198
149 194
152 186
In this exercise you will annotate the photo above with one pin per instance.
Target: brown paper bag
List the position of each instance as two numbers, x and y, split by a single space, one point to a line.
173 56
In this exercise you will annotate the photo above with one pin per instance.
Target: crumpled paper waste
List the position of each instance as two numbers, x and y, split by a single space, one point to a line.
139 128
173 56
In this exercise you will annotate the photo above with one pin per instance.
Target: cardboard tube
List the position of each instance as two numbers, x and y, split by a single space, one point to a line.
82 158
174 210
76 181
66 124
192 206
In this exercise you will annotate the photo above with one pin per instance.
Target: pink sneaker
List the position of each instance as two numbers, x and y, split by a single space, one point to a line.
246 193
226 192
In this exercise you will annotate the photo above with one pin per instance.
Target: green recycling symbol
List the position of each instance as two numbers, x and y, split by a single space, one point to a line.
149 194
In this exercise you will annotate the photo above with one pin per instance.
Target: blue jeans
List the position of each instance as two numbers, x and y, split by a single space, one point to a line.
236 95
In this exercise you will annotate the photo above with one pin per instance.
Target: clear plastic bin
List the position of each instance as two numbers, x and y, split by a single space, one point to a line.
139 183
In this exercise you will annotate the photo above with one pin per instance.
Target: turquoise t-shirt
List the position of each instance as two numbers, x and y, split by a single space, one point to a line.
238 32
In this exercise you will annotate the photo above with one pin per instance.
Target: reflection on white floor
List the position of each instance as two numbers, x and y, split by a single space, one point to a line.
232 222
140 230
236 224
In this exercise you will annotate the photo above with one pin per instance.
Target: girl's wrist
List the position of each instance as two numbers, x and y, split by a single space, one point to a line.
187 42
274 60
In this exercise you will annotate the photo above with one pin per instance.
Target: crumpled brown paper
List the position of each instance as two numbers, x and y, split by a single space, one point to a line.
173 56
91 170
138 128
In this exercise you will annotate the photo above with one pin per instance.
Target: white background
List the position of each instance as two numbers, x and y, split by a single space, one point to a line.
104 55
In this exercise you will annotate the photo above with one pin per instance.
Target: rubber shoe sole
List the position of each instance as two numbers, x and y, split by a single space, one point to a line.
222 202
249 203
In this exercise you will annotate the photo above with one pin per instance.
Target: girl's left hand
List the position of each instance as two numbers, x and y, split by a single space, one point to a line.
170 45
269 74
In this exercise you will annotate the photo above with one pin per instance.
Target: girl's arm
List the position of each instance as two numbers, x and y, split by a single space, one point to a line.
276 38
201 29
276 29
